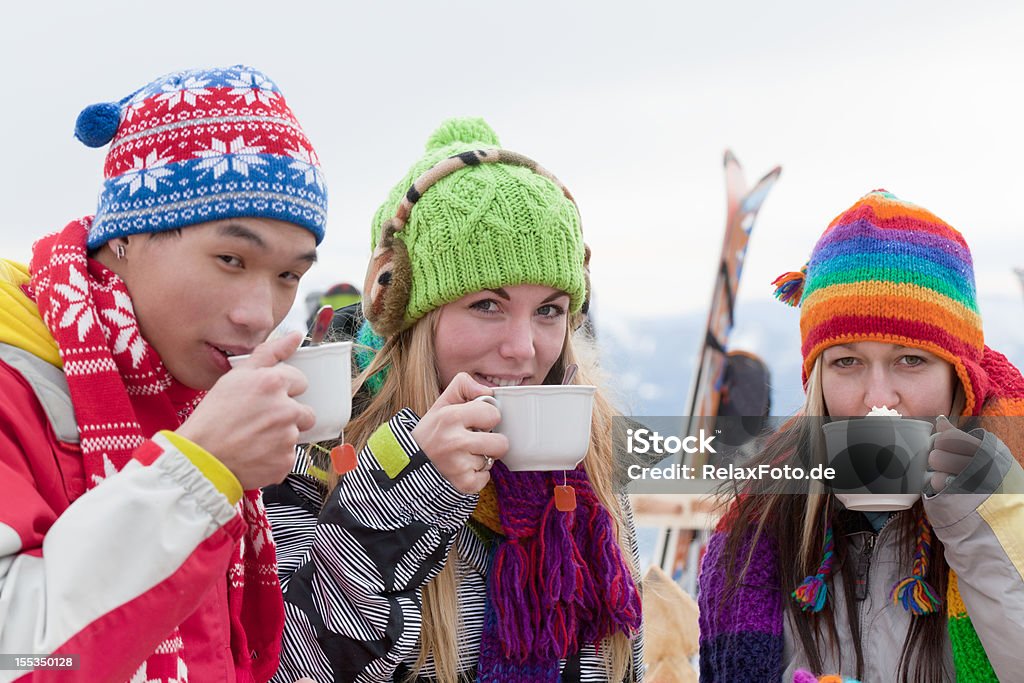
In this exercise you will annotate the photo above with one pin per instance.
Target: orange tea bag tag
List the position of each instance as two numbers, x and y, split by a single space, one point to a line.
343 458
565 498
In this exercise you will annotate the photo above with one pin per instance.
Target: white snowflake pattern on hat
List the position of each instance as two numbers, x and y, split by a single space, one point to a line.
254 86
306 162
200 145
237 155
145 172
134 104
188 92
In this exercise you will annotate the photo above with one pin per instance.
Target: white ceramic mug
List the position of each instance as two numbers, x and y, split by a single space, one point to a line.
547 425
328 369
880 461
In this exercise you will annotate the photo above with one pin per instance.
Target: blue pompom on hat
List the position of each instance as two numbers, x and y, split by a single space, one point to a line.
97 124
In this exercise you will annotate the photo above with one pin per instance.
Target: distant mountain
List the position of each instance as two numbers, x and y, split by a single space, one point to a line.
650 361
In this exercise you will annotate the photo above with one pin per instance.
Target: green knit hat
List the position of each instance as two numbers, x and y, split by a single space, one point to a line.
470 216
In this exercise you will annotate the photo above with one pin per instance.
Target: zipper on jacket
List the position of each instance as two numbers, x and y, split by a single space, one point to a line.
860 582
861 587
864 559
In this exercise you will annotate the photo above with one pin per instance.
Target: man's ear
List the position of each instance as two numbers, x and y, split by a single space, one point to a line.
113 254
119 247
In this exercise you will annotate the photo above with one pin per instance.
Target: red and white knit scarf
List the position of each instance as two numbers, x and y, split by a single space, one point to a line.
122 394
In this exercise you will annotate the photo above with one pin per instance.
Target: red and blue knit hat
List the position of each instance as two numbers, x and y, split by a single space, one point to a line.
202 145
886 270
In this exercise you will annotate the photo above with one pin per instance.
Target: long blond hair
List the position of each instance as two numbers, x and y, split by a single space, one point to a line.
412 382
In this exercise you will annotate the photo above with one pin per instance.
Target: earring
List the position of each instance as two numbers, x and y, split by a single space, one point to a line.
119 252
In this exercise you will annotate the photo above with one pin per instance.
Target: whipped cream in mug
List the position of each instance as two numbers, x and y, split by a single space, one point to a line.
884 410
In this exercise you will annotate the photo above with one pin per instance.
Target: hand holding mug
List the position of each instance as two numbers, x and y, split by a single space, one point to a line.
250 420
455 435
952 451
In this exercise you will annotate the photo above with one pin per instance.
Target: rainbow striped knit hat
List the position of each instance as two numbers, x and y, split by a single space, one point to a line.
889 271
198 146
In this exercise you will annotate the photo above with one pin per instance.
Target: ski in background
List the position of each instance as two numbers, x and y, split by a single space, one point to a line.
677 553
1020 274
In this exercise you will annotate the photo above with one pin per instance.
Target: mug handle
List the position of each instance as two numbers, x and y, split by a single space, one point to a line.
487 399
928 471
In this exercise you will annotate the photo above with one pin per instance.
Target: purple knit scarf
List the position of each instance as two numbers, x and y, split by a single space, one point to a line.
559 581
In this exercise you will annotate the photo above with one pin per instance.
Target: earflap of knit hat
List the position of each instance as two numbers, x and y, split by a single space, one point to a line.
1001 400
387 284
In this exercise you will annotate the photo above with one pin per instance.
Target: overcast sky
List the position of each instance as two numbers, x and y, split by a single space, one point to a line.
630 104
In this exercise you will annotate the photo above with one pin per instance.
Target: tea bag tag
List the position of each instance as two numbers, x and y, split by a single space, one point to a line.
343 458
565 498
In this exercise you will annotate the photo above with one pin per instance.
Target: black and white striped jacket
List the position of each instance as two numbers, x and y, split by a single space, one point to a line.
353 572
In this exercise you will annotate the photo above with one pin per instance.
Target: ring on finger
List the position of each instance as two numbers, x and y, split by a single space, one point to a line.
488 464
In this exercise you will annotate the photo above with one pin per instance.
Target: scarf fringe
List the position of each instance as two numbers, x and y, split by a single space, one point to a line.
560 584
511 599
615 597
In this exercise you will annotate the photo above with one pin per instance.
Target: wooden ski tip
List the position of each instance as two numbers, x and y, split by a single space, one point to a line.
751 202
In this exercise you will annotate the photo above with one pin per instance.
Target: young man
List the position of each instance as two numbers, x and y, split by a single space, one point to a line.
131 531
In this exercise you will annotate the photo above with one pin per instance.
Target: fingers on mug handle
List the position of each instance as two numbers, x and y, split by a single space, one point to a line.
930 470
486 399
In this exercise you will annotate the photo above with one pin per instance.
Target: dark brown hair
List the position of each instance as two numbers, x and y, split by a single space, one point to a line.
795 524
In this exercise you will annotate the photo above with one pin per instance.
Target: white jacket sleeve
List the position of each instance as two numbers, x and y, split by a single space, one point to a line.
108 577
